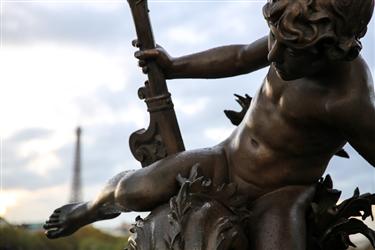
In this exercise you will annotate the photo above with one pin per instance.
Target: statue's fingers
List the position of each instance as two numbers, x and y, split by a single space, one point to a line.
138 54
145 69
146 54
142 63
136 43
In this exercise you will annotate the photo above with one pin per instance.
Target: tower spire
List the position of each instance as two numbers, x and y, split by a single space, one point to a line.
76 192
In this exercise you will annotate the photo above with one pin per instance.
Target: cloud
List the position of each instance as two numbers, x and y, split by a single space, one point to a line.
185 35
91 24
33 206
31 133
192 108
30 159
218 134
43 83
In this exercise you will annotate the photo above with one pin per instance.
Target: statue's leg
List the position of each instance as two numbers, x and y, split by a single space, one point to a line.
279 219
69 218
154 185
139 190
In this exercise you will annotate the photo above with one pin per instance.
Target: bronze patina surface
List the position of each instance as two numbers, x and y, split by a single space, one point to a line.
259 189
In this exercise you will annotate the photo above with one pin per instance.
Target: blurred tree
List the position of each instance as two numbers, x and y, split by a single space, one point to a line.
88 238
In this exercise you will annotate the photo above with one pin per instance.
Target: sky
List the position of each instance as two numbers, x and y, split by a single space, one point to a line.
67 63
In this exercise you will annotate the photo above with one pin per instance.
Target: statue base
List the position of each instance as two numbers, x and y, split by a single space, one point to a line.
202 216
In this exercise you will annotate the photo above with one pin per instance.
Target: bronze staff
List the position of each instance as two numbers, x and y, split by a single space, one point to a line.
163 135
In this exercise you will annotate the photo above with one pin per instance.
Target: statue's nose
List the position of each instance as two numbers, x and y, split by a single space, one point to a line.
276 52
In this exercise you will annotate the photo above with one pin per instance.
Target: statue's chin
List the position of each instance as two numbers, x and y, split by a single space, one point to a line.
286 77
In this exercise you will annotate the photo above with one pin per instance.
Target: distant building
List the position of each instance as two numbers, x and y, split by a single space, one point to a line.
76 191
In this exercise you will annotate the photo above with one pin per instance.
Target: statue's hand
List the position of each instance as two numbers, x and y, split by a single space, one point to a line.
159 55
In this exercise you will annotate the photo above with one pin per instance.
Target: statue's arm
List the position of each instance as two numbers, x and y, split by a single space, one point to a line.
223 61
218 62
355 117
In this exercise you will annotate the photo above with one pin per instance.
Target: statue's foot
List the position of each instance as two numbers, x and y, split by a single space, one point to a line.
69 218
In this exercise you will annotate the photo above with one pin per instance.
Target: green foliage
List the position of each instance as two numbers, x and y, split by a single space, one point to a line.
88 238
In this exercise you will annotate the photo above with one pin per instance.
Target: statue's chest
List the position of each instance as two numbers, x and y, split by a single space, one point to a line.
295 101
283 113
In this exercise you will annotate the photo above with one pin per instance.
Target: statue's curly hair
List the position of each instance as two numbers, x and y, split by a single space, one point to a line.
333 26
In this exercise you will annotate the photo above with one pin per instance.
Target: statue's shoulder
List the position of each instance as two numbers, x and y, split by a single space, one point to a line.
357 80
353 88
362 73
351 79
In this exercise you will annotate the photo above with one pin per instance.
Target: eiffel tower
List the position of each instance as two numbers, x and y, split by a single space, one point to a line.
76 191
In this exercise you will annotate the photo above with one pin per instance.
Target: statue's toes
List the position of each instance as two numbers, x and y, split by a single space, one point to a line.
54 233
53 220
57 211
55 214
52 224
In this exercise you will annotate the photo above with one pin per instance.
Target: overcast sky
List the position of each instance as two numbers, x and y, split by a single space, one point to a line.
69 63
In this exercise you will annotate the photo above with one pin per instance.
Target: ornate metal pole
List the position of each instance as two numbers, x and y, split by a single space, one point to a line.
163 136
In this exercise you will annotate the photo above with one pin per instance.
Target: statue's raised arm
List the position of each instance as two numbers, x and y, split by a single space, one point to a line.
219 62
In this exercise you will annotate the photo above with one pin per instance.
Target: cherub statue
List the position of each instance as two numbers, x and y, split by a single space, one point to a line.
317 96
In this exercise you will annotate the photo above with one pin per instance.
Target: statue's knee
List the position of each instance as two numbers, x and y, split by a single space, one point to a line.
125 193
121 193
132 194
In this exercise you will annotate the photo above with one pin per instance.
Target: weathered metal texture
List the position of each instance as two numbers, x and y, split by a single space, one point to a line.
200 216
204 217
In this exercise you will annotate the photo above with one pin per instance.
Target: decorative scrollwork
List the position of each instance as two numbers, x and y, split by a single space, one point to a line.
147 145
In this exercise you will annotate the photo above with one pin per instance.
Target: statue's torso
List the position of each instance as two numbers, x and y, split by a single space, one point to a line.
285 137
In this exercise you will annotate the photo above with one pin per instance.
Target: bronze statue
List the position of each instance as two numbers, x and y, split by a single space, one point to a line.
317 96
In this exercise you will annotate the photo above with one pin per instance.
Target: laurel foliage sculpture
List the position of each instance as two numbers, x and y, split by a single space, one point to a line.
204 216
331 224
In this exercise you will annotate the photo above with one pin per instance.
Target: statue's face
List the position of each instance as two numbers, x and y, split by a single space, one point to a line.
291 64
